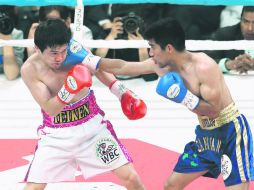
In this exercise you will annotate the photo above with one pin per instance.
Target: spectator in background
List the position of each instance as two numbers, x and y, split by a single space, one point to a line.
53 12
129 54
11 58
117 28
26 16
198 21
237 60
97 18
143 10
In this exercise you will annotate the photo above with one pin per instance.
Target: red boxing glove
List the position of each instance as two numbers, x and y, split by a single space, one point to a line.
133 107
77 78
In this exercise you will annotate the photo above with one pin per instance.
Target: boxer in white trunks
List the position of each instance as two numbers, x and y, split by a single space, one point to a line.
74 132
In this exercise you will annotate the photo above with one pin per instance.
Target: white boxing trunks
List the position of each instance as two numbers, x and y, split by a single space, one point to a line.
77 138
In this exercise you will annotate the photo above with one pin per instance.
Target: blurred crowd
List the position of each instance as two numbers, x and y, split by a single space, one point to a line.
128 21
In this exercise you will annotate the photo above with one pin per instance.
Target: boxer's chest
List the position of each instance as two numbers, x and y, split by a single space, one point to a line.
54 81
192 83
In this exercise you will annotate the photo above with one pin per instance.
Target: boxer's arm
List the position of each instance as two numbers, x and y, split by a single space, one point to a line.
40 91
172 87
77 54
132 106
121 67
104 77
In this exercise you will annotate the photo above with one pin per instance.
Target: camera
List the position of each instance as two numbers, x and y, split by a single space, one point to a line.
132 22
6 24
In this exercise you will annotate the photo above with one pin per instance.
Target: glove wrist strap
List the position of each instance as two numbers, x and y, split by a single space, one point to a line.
64 95
191 101
118 89
92 62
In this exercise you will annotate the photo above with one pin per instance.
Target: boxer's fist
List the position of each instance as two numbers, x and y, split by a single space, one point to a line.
77 78
172 87
132 106
76 54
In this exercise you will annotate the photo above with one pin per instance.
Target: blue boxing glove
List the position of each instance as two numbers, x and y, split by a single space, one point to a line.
172 87
76 54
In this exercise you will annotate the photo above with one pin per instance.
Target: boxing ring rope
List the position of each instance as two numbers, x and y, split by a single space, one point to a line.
118 44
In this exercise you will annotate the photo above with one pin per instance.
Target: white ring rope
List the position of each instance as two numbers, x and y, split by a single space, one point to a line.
119 44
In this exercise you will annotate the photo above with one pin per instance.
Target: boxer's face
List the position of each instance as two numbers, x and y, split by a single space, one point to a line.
160 56
54 56
247 25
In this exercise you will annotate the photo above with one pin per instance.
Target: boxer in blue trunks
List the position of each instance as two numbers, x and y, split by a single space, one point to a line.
223 143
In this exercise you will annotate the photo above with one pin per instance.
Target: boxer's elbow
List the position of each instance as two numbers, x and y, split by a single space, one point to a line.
53 113
53 109
207 111
213 114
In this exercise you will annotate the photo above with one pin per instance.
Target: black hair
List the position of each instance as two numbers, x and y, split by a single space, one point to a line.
51 33
167 31
64 12
247 9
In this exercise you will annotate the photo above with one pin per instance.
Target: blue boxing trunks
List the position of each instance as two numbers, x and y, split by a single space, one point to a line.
222 146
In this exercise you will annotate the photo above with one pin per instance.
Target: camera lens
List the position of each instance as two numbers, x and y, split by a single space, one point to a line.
6 24
132 22
130 25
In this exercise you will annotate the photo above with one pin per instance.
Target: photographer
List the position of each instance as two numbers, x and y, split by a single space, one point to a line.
127 27
11 58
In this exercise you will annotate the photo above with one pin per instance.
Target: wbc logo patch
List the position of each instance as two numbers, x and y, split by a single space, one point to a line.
75 47
72 83
173 91
107 150
226 166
